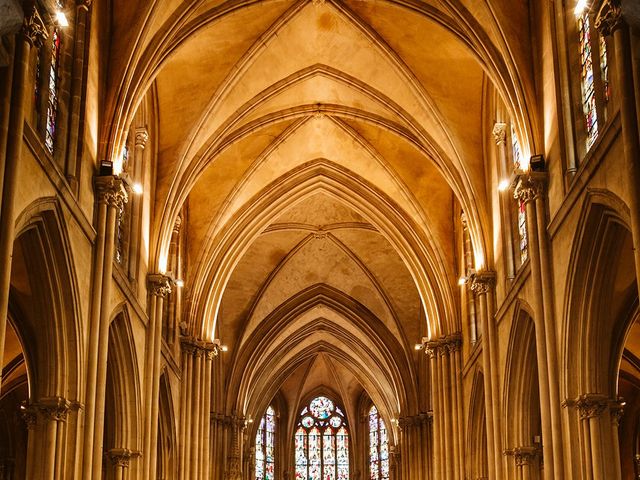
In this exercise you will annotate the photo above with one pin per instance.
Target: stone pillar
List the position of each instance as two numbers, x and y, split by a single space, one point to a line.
234 460
526 461
53 411
119 459
448 422
33 32
531 190
141 139
158 286
111 197
483 285
74 149
591 408
616 411
610 22
500 137
30 417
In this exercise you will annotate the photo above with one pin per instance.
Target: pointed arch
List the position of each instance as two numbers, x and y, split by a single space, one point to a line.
601 244
123 410
50 312
417 251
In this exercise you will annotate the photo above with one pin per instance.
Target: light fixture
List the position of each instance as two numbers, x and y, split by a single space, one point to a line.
137 188
580 6
503 185
418 346
462 281
179 283
224 348
61 18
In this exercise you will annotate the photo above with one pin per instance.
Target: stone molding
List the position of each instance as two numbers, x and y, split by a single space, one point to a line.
159 284
120 457
33 28
141 137
592 405
111 190
422 418
609 17
482 282
444 345
196 347
530 186
499 133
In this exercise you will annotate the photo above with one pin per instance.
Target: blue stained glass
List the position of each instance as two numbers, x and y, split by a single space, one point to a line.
54 75
378 447
321 442
587 84
265 447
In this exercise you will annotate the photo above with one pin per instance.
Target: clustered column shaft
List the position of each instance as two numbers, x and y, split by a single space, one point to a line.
447 407
111 197
197 361
483 285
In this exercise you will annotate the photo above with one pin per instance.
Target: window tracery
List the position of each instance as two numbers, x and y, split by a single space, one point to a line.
322 442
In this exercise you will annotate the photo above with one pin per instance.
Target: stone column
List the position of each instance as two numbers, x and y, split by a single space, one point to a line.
234 461
590 408
211 351
528 189
610 22
30 417
616 411
525 458
159 286
112 196
431 349
33 32
500 137
74 150
119 459
141 139
53 411
483 285
185 410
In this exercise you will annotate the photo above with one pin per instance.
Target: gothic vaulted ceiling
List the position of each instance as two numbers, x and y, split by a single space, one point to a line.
323 149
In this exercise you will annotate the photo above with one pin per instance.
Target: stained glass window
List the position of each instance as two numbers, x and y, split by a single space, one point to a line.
586 80
322 442
604 68
378 446
522 214
266 446
52 106
522 231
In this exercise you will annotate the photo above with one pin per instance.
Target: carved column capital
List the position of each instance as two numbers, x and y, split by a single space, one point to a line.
159 285
499 133
452 342
142 137
111 190
525 455
85 4
530 186
431 348
120 457
54 408
33 28
592 405
609 17
482 282
29 414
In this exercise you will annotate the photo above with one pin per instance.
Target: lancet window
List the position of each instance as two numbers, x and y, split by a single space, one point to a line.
322 442
378 446
266 446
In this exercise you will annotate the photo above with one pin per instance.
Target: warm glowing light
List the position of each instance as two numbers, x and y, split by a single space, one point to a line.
580 6
137 188
162 264
462 281
224 348
418 346
179 283
62 19
503 185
